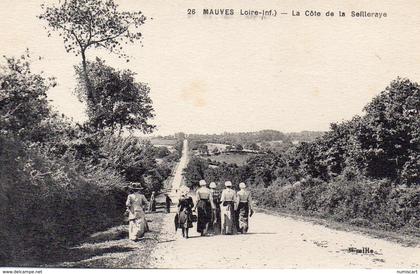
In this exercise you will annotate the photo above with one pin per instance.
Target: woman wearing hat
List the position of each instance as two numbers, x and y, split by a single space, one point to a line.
204 208
184 214
244 207
227 209
137 219
215 220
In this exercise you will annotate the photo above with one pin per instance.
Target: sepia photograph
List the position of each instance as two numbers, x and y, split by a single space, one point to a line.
200 135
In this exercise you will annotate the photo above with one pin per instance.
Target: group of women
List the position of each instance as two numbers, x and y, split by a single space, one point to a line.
225 212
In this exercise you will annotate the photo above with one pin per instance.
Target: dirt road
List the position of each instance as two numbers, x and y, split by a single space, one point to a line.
178 178
277 242
280 242
272 242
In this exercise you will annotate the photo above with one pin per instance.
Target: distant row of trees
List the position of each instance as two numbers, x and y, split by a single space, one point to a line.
239 137
255 137
263 141
379 151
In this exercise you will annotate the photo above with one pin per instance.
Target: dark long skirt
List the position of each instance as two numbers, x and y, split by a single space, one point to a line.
243 215
185 219
203 215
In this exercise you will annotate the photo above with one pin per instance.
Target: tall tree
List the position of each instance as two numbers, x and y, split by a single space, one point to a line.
86 24
390 138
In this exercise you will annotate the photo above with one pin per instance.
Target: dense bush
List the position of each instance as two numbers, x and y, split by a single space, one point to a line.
48 202
374 203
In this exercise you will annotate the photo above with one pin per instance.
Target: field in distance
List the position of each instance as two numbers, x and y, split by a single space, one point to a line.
238 158
163 142
224 153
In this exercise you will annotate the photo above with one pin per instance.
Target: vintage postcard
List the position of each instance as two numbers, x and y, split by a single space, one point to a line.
232 134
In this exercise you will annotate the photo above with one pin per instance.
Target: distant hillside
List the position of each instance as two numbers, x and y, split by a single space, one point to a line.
256 137
240 137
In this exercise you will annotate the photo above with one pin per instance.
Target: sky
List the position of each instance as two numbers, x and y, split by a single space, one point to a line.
237 74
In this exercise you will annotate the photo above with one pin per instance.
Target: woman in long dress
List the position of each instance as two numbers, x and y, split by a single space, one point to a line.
227 209
204 208
185 206
244 208
137 220
215 219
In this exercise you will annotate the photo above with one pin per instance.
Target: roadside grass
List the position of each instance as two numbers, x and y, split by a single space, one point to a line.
111 248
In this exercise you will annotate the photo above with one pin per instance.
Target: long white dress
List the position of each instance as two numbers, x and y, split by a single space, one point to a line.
227 210
137 219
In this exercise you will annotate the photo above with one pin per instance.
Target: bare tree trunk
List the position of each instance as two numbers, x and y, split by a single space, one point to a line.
89 89
91 96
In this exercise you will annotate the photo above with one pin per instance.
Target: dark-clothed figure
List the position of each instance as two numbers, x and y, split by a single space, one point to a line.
184 215
204 208
244 208
168 203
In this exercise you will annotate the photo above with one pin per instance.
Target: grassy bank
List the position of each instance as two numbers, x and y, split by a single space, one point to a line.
366 204
111 248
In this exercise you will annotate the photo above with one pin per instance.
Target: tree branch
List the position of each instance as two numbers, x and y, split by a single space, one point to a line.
111 37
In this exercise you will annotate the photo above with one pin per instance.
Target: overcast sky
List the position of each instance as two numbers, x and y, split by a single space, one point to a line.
210 75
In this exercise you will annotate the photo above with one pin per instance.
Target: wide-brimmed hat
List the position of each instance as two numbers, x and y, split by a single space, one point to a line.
202 183
213 185
242 185
135 186
228 183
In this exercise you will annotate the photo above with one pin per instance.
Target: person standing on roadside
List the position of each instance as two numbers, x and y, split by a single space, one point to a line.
168 202
152 205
